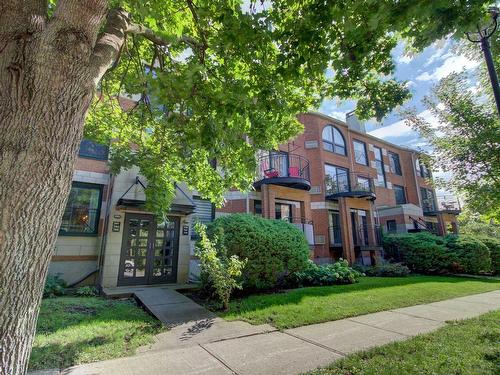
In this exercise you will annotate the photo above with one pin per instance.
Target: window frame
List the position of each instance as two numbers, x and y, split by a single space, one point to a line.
392 221
95 233
343 169
365 151
396 169
395 187
381 161
93 157
334 145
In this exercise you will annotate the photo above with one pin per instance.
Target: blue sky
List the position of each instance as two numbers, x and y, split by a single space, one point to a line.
422 71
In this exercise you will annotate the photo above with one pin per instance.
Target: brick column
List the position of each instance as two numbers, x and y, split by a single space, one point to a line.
346 230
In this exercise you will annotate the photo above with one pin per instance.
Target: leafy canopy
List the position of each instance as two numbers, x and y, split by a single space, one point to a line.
466 140
223 78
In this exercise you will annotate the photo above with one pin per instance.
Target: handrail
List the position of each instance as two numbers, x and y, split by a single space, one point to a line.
348 182
276 165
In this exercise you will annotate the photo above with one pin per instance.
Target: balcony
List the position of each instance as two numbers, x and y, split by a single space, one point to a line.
446 204
304 225
283 169
367 236
349 185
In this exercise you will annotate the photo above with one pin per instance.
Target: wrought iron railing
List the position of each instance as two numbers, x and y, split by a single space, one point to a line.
363 233
348 183
278 165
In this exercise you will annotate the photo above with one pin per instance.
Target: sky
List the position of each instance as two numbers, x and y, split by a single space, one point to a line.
422 71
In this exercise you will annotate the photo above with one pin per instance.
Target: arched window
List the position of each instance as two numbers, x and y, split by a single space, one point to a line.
333 140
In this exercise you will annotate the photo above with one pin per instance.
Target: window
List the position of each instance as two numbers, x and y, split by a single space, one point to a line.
284 212
395 164
422 170
203 213
360 152
399 192
93 150
379 165
333 140
428 203
392 227
337 179
82 213
257 207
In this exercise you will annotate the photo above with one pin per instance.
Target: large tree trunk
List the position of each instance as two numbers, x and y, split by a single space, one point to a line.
46 84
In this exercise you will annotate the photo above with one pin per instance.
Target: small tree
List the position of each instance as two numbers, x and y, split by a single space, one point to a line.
221 271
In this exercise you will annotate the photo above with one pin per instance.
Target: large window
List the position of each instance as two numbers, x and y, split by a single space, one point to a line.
428 203
203 213
399 192
92 150
81 216
395 164
379 165
333 140
337 179
257 207
284 211
360 152
422 170
392 226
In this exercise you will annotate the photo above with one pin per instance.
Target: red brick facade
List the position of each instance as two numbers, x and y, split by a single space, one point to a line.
351 212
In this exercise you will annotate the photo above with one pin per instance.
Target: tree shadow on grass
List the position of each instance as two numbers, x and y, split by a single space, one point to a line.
258 302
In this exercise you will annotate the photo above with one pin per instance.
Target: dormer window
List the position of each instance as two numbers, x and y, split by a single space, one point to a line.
333 140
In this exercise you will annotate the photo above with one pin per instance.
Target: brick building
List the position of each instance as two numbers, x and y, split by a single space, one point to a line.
343 187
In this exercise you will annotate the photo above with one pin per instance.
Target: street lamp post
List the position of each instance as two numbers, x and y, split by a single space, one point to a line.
481 36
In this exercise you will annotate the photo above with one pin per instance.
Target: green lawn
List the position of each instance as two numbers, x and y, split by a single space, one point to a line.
465 347
319 304
74 330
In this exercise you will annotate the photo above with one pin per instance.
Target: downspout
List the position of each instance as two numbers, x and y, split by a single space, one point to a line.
248 202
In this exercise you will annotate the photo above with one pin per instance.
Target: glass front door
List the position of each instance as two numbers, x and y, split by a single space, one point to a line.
149 250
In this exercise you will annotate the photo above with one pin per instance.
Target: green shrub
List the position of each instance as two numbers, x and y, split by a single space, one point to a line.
54 286
422 252
493 245
326 274
274 248
385 270
87 291
471 254
219 270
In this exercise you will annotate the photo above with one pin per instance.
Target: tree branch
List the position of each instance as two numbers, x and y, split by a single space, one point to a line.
109 44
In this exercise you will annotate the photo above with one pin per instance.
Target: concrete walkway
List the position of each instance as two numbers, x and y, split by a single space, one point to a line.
209 345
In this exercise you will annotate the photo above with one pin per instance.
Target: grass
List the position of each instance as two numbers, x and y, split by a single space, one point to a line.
464 347
75 330
319 304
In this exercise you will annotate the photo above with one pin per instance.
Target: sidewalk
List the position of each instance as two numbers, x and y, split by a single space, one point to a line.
245 349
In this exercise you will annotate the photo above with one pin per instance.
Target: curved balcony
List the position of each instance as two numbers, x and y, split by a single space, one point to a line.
444 204
282 169
350 185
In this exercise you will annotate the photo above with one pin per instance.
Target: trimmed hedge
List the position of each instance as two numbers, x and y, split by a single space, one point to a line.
493 245
326 274
384 270
422 252
273 248
473 255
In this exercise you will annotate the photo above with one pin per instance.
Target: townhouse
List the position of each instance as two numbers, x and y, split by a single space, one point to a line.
343 187
339 185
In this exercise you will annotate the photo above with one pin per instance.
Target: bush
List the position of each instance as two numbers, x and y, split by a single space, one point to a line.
87 291
494 246
385 270
471 254
421 252
274 248
54 286
219 270
326 274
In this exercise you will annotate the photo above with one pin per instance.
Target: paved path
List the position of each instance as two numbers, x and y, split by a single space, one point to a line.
219 347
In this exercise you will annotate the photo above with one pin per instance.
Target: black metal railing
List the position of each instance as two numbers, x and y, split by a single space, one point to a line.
335 234
448 203
348 183
278 165
367 235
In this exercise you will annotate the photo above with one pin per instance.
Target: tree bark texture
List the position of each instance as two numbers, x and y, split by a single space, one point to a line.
48 72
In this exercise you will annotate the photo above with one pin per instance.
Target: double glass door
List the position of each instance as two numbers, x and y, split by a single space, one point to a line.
150 249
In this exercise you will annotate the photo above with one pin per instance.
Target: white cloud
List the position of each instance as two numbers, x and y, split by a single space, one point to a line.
453 64
394 130
405 59
338 115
